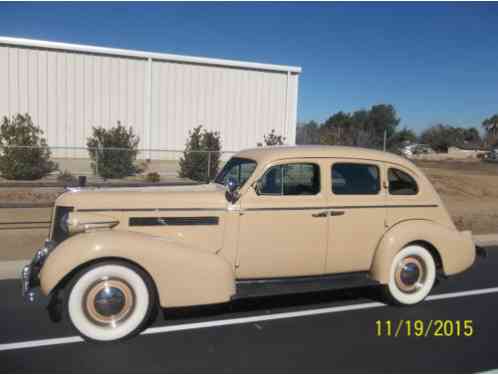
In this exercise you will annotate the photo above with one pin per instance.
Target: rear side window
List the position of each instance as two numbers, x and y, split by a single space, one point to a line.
355 179
291 179
401 183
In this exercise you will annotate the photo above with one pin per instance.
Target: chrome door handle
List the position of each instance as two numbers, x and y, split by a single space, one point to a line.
336 213
320 214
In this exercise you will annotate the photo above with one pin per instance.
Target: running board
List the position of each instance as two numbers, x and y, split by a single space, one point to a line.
293 285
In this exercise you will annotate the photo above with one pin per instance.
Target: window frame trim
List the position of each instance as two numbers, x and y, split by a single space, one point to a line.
281 165
407 173
371 163
251 175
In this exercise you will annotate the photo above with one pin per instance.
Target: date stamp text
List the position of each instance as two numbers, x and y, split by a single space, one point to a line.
424 328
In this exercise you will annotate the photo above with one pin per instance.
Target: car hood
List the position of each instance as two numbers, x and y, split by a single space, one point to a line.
170 197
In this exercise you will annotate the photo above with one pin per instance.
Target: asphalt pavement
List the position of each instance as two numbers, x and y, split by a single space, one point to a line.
317 332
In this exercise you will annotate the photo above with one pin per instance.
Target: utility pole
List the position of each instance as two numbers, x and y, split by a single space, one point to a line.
385 139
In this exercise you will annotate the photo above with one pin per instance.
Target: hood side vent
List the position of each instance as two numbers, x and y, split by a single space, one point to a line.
154 221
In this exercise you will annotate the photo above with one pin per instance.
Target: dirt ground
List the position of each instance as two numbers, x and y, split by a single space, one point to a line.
469 190
29 195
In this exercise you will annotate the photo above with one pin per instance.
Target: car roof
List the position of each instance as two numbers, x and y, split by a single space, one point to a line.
268 154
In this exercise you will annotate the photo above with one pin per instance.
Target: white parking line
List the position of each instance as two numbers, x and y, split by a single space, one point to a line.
244 320
38 343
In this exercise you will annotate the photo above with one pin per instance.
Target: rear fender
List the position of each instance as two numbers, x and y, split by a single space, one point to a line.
183 275
456 249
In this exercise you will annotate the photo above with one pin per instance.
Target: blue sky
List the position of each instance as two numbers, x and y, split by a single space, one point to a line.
434 62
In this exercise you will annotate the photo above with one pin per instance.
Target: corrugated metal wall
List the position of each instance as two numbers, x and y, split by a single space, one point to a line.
68 92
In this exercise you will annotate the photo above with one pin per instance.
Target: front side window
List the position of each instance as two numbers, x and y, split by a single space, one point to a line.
355 179
401 183
291 179
238 168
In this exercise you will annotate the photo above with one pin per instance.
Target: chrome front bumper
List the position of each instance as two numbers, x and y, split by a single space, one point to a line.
30 273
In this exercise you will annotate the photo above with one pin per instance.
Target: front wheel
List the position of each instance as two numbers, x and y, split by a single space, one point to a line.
110 301
411 277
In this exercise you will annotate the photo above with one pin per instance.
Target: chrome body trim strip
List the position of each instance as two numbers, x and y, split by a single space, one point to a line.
338 207
255 208
148 209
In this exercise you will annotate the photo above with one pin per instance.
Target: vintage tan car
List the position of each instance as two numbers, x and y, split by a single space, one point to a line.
275 220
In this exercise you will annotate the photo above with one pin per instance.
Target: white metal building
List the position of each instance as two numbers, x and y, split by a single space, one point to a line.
69 88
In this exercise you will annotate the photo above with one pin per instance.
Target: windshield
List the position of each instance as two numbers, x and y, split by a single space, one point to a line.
238 168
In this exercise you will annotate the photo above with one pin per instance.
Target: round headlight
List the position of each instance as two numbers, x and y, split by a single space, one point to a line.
64 223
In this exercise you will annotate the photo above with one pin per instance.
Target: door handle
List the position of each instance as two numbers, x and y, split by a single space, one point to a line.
162 221
320 214
336 213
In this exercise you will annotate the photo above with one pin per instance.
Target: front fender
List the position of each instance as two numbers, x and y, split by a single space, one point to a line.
183 275
456 249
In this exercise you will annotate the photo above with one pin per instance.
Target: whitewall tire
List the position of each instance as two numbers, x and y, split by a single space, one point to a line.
110 301
411 276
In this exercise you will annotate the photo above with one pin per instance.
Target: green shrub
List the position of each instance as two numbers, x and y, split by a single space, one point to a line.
113 151
273 139
195 160
67 178
30 162
153 177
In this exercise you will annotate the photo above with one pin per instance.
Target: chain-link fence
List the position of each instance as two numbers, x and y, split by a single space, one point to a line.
115 163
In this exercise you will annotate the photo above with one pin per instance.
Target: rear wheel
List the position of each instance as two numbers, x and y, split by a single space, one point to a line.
411 277
110 301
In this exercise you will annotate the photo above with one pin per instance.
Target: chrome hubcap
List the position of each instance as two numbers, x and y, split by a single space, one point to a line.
410 274
109 301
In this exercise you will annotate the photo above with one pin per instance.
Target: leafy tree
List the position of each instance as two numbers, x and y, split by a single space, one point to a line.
32 160
361 128
195 160
338 129
441 137
405 136
272 139
491 125
401 138
113 151
382 118
471 135
308 133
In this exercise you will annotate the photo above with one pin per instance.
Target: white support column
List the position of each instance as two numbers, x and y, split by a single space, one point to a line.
148 107
292 118
286 108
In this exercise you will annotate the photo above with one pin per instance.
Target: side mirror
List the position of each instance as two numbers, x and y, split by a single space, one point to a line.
256 185
232 184
232 190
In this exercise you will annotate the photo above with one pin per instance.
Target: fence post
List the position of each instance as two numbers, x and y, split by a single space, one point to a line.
99 147
97 163
209 167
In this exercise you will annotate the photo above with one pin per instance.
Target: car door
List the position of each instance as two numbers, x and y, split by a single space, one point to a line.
282 229
357 201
